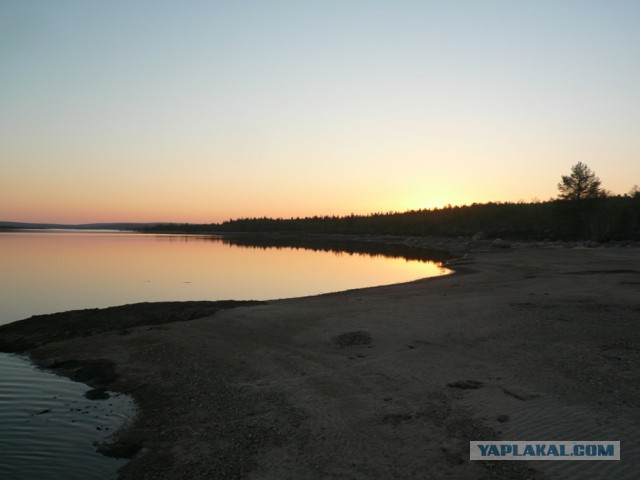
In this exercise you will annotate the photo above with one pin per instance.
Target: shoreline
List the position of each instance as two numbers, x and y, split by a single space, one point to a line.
358 384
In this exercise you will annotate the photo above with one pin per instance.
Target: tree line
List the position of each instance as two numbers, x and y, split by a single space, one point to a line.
583 210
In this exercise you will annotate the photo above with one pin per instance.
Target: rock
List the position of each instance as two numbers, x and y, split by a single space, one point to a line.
119 449
498 243
99 393
478 236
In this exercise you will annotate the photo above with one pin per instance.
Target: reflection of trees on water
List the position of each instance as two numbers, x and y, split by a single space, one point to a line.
338 247
187 237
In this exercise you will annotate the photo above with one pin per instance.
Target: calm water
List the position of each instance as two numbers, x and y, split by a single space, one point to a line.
52 271
48 430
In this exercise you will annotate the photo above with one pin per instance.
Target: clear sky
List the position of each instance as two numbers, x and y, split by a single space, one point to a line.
200 111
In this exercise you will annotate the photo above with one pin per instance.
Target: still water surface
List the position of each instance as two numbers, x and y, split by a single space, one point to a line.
47 429
53 271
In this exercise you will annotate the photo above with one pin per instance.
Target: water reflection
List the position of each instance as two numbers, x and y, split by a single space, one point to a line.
318 244
340 247
46 272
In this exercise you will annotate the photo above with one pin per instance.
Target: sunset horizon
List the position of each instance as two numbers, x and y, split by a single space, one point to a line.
158 219
205 112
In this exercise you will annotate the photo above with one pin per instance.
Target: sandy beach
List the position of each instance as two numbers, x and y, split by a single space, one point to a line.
377 383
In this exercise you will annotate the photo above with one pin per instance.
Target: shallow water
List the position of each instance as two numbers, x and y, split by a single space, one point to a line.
49 430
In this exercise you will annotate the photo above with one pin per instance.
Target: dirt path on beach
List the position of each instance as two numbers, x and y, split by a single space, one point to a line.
389 382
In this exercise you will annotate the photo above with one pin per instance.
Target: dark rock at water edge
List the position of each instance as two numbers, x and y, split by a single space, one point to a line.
119 449
99 393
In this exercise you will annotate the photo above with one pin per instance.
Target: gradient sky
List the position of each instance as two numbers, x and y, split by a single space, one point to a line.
200 111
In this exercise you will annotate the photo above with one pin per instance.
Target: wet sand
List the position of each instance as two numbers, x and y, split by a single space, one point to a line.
374 383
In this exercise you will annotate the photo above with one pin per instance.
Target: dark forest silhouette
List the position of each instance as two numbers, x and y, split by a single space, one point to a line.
583 211
611 218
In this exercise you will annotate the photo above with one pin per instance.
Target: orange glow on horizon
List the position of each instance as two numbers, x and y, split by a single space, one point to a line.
303 111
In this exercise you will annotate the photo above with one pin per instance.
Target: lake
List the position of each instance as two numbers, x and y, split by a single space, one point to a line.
53 271
48 430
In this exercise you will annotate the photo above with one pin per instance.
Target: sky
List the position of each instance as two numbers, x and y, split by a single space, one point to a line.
201 111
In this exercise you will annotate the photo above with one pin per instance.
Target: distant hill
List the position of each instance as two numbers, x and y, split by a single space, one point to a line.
83 226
